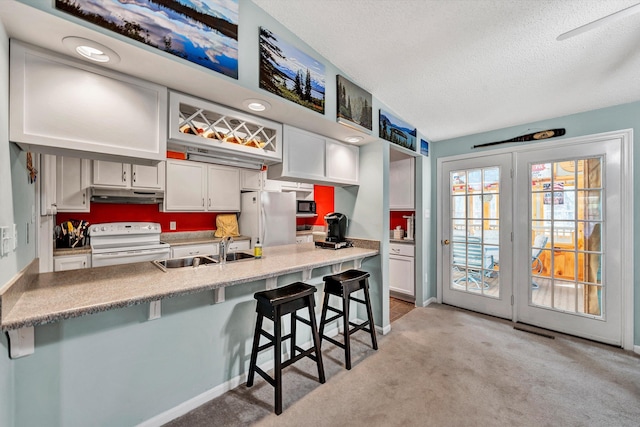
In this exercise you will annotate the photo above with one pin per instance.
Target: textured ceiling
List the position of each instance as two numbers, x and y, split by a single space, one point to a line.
459 67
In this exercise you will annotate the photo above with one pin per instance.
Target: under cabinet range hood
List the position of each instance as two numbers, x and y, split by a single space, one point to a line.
126 196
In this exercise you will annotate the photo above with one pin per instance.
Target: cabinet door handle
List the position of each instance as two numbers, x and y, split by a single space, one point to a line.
124 176
84 198
203 202
209 202
134 177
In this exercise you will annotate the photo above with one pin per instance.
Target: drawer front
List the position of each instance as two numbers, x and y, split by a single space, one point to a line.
192 250
400 249
241 245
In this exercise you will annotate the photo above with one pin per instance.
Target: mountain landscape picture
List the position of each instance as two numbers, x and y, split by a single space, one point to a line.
204 32
290 73
397 131
354 105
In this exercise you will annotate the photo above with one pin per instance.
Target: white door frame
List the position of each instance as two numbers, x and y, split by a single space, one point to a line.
626 199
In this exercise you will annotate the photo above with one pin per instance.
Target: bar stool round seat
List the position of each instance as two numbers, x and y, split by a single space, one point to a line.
343 285
274 304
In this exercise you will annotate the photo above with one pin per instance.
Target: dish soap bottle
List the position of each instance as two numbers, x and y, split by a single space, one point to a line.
257 249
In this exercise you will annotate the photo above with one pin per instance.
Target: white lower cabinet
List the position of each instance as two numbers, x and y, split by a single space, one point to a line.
306 238
402 269
240 245
71 262
194 250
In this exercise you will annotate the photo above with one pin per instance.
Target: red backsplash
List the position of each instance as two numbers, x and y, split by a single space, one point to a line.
397 220
323 196
185 221
111 212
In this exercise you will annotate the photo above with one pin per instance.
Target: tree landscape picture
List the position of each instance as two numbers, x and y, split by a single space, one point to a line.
354 105
290 73
204 32
397 131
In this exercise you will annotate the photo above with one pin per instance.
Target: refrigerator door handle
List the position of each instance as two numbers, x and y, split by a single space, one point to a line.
264 226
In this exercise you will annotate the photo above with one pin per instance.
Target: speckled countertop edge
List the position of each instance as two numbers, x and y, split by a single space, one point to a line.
50 297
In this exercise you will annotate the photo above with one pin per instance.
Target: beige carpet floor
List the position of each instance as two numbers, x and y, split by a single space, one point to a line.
441 366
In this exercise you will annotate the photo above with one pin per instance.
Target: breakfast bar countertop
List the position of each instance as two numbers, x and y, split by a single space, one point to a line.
48 297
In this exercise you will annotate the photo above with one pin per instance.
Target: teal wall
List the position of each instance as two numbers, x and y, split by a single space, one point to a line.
604 120
363 205
9 265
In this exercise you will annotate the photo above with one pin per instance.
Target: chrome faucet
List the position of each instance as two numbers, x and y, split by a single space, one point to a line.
224 248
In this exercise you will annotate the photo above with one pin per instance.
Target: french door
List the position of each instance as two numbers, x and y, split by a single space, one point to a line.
476 242
536 235
568 201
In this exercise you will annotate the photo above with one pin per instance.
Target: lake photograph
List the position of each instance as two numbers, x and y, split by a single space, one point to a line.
290 73
204 32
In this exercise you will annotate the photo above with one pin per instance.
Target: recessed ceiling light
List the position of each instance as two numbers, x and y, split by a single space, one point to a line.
256 104
353 139
91 50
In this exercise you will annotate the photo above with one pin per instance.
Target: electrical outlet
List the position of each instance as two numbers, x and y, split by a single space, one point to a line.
172 225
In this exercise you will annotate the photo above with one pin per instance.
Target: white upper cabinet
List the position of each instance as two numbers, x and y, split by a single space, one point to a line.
304 154
211 129
200 187
223 189
186 186
63 106
342 162
312 158
72 184
402 184
123 175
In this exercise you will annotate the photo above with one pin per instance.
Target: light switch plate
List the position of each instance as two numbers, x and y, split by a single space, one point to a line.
15 237
4 241
172 225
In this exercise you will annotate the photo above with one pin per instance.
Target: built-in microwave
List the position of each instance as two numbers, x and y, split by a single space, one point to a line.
306 207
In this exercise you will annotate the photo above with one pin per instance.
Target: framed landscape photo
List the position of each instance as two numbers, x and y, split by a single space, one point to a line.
204 32
424 147
290 73
354 106
397 131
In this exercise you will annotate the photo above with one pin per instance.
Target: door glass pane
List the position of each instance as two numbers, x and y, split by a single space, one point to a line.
566 224
475 226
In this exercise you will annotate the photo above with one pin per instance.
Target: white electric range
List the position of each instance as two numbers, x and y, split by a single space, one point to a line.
126 242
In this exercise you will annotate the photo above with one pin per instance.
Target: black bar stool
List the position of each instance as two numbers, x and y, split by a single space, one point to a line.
274 304
342 285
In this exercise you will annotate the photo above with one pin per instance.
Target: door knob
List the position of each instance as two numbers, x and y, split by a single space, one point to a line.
445 242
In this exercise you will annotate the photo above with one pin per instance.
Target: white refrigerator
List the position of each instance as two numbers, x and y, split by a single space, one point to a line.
268 215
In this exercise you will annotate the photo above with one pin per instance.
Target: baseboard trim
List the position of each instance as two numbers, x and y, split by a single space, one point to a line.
217 391
430 301
636 349
201 399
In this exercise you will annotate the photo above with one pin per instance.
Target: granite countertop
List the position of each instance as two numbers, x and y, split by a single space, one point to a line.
48 297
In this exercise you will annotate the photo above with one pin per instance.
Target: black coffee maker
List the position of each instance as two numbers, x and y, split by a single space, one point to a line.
336 227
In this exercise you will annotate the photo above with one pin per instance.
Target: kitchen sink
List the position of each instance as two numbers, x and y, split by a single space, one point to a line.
201 260
238 256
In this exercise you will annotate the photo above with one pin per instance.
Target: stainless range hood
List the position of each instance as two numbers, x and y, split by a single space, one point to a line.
129 196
